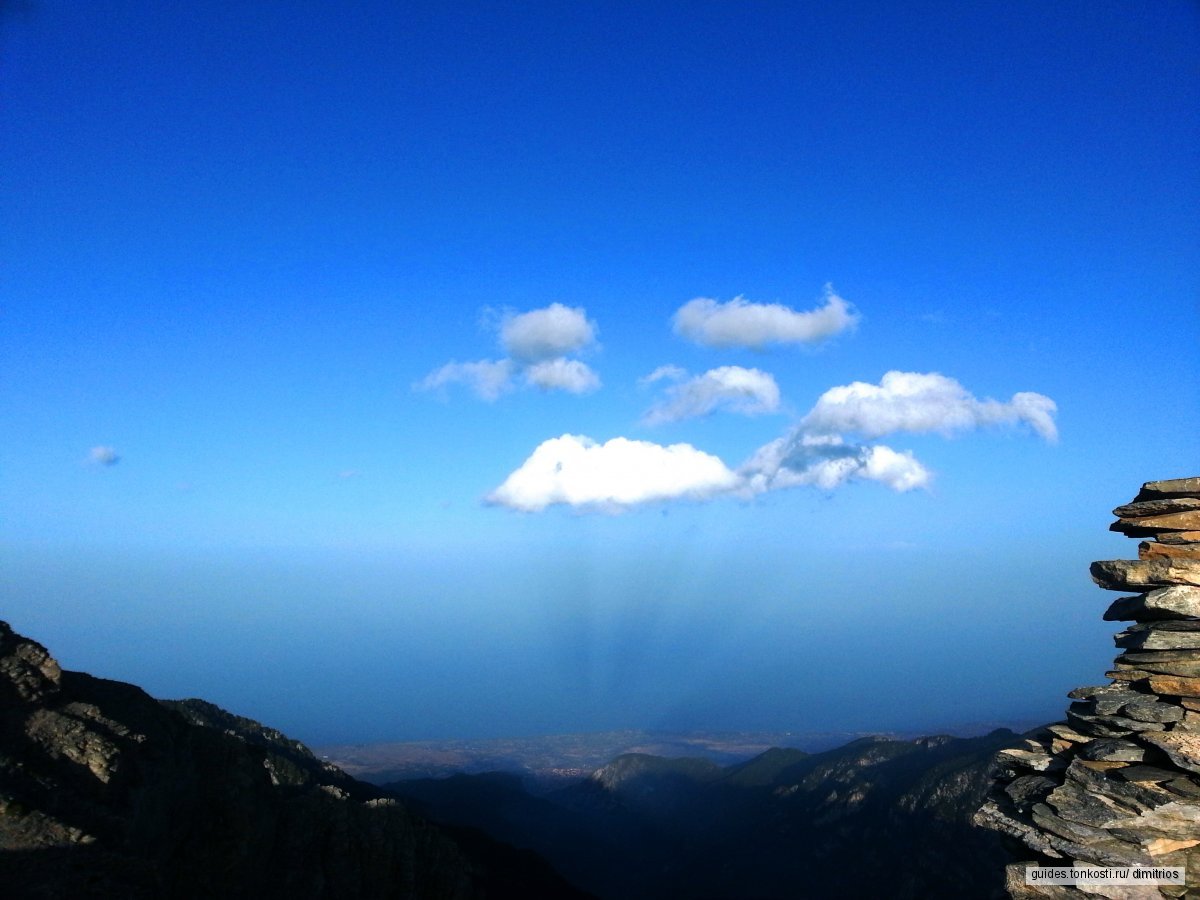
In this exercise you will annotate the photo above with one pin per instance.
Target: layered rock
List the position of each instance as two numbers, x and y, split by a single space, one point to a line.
1118 782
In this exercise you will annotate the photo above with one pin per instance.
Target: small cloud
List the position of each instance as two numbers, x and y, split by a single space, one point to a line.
922 402
740 323
103 456
577 471
664 373
562 374
543 334
748 392
487 378
348 473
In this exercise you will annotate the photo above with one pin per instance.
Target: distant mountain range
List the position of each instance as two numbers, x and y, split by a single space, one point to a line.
108 793
874 818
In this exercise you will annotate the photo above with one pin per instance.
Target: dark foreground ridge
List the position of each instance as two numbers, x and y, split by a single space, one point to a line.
106 792
1118 783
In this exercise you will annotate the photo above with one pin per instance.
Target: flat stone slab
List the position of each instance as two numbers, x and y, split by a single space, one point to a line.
1178 537
1158 550
1145 574
1174 686
1171 487
1176 601
1164 506
1167 635
1147 526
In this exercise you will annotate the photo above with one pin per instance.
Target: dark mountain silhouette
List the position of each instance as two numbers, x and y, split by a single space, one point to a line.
875 818
107 793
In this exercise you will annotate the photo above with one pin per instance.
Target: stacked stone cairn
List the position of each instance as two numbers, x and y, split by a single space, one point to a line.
1118 783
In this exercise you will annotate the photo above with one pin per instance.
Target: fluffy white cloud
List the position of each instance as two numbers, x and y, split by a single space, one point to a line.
577 471
740 323
488 378
104 456
828 462
562 374
916 402
733 388
543 334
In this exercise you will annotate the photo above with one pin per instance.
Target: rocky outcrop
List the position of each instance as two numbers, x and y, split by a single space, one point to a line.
108 793
1118 782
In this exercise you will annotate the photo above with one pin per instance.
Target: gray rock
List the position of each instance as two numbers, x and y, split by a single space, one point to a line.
1156 507
1152 774
1174 602
1114 749
1029 789
1145 574
1150 710
1173 487
1110 726
1187 668
1174 634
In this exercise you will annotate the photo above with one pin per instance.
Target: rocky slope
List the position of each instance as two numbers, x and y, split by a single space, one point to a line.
108 793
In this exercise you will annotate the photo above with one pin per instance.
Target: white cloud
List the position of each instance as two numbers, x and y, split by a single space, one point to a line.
487 378
562 374
664 373
543 334
104 456
916 402
733 388
577 471
740 323
828 462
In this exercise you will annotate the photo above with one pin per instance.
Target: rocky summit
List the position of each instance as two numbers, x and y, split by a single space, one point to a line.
106 792
1118 783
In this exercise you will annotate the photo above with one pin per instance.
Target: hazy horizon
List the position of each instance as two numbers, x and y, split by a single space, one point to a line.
449 371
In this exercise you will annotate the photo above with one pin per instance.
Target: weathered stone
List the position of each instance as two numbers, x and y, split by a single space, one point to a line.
1190 702
1151 710
1184 786
1173 602
1159 550
1141 657
1150 526
1131 677
1145 574
1087 693
1174 686
1111 702
1109 726
1141 508
1151 774
1172 487
1029 789
1182 747
1179 537
1113 749
1175 819
1189 668
1171 634
1029 759
1068 733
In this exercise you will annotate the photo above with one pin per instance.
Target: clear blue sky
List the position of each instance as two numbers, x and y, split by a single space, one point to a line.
435 370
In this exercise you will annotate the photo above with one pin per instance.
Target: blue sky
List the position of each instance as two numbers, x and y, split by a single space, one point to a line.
341 351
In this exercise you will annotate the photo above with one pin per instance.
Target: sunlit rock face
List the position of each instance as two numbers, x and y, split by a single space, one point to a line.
1118 782
107 793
